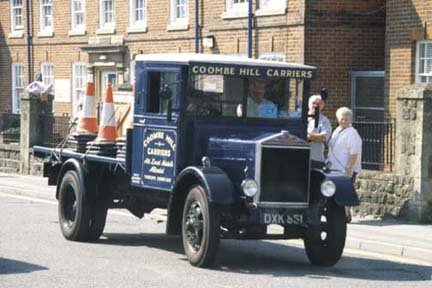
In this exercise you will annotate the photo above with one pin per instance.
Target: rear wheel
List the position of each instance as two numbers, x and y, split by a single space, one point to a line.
73 209
324 243
97 221
200 228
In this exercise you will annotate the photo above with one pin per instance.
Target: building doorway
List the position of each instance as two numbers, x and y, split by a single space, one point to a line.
367 95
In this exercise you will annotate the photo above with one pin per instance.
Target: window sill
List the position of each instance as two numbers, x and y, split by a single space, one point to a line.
273 11
234 14
45 34
16 34
177 27
136 29
77 32
105 31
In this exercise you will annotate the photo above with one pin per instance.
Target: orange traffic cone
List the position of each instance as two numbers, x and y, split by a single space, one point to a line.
108 130
87 122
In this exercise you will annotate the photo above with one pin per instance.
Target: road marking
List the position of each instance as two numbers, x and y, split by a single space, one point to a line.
28 198
54 202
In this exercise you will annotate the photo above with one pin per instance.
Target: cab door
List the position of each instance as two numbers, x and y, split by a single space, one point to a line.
155 126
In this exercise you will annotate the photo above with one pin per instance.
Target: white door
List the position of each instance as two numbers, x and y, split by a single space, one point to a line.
108 77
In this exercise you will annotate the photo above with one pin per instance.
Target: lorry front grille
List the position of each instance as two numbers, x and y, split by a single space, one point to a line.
284 174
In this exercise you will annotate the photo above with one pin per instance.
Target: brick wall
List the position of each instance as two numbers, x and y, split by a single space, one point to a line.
405 25
342 36
333 42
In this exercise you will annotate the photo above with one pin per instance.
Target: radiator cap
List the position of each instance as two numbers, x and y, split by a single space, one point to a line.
285 132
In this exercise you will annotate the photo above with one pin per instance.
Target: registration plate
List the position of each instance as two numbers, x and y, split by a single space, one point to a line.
284 218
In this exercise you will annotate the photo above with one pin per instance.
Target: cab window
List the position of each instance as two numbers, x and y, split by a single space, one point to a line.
162 91
217 95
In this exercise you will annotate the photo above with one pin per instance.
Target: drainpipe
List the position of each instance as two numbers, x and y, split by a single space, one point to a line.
29 42
197 26
250 19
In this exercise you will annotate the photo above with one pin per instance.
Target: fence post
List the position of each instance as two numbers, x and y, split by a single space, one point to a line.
30 129
414 149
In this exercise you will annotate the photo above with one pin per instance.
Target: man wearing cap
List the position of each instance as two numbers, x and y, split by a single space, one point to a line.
317 136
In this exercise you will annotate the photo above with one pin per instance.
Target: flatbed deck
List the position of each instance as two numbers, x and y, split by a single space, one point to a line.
67 153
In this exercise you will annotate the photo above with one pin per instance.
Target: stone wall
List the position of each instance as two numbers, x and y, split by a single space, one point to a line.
9 158
383 194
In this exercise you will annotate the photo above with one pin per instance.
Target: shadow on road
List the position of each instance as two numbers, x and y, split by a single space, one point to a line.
9 266
280 260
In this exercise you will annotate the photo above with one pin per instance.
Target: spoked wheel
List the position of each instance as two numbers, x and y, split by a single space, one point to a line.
200 228
324 243
74 208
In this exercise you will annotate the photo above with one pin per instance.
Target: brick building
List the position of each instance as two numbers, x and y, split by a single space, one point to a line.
408 46
344 39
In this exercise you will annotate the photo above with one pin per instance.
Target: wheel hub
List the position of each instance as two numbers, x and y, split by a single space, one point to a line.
69 207
194 225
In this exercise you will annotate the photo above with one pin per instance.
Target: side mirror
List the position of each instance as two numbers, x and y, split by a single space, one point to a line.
316 116
165 92
169 110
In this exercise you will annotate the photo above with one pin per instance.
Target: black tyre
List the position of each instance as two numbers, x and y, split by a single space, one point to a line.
324 243
200 228
97 221
74 209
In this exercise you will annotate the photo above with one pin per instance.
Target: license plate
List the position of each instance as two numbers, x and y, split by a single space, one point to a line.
283 219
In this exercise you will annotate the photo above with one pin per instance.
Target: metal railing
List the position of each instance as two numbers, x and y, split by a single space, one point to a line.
9 127
378 144
56 128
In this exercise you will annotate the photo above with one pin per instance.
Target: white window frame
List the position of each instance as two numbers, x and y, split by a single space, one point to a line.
44 16
74 13
133 22
271 7
13 15
78 67
231 5
47 66
175 19
17 84
102 13
272 4
273 56
418 73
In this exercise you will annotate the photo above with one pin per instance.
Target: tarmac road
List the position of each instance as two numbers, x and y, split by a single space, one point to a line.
137 253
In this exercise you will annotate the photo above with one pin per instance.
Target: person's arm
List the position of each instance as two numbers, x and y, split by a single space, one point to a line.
351 162
317 137
324 135
354 144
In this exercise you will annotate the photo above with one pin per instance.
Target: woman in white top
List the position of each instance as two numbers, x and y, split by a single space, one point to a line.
345 148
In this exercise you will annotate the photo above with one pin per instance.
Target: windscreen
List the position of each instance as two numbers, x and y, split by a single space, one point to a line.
228 96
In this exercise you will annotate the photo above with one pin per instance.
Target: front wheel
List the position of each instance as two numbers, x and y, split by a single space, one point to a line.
324 243
200 228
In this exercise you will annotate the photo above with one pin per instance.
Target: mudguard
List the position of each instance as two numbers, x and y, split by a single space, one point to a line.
219 188
345 192
72 164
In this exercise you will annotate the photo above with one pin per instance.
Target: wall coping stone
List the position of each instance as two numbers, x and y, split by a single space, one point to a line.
10 147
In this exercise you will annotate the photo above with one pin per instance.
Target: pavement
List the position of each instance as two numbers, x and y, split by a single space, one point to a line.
392 238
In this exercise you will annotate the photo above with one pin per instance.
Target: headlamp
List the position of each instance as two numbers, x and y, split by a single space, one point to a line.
250 187
328 188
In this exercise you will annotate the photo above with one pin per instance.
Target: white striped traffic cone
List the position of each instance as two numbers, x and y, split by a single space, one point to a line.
87 122
108 130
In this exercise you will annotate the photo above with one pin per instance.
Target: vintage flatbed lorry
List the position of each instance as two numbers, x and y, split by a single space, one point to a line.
222 163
